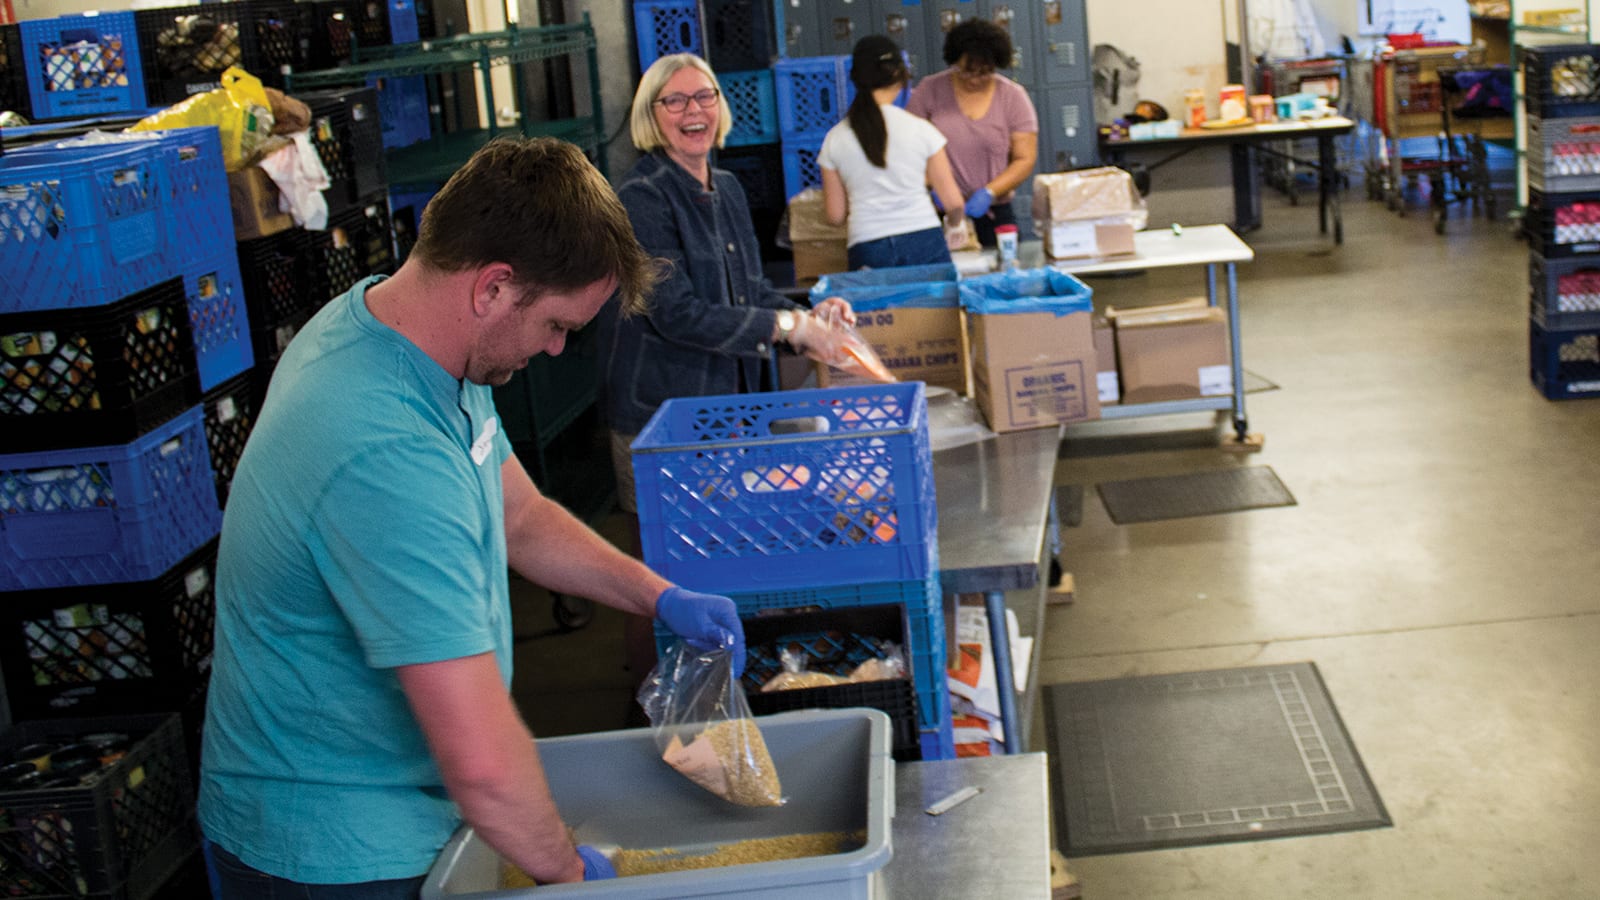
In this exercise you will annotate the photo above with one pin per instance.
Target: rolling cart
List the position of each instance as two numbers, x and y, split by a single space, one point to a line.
1475 109
1408 105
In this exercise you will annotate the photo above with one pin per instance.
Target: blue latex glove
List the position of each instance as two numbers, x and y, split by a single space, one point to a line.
980 201
595 865
706 621
936 203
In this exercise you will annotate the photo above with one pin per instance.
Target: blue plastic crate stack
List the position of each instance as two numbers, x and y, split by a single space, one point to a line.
1562 221
805 500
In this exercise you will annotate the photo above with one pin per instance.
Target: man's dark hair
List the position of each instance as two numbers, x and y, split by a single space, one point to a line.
538 205
981 41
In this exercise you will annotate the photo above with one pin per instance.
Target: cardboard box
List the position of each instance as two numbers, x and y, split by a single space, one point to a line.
1173 353
1090 212
1034 369
1114 312
915 344
1105 352
819 246
1094 237
254 199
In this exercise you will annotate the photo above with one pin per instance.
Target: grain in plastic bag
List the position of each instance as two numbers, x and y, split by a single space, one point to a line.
703 726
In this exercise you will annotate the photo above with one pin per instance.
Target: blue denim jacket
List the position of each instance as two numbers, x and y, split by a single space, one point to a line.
711 316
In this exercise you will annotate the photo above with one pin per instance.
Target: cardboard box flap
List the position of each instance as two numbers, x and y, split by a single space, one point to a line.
808 219
1088 194
1115 312
1173 317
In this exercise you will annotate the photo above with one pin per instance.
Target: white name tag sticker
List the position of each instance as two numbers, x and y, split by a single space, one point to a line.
485 441
1216 380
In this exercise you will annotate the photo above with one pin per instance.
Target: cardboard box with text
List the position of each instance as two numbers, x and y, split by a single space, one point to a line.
911 316
1033 354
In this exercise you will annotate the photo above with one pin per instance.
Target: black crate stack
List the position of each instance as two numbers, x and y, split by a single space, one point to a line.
125 338
1562 221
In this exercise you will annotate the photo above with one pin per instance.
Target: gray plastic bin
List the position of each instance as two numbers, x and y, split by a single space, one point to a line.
612 787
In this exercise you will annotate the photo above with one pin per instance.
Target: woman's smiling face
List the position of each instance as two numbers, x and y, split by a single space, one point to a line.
692 133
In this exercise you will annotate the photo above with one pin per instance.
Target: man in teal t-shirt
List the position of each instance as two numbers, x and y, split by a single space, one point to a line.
359 707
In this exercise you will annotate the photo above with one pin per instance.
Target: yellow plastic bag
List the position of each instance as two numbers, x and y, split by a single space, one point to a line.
239 108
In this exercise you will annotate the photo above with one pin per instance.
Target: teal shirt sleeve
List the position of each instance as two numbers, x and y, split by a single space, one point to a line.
400 542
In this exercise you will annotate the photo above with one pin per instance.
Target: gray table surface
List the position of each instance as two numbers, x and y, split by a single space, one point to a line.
994 499
996 845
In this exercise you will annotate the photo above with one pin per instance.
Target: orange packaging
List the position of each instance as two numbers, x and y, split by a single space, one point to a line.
1231 103
1195 102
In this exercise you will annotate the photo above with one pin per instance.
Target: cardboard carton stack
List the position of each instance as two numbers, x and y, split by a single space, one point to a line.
1090 212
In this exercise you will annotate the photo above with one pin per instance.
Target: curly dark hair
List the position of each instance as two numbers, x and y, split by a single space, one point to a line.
981 41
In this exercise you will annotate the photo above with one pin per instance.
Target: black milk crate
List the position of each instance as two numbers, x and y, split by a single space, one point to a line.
269 344
1564 294
274 272
97 376
338 27
13 78
739 34
186 49
759 169
230 415
1561 80
132 646
357 242
1562 225
282 36
348 137
120 832
1564 365
834 642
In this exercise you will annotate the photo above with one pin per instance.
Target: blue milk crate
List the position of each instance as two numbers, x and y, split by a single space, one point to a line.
83 226
197 191
665 27
924 629
218 318
1564 294
787 490
402 110
404 26
100 515
83 65
750 99
813 94
91 377
800 167
1564 365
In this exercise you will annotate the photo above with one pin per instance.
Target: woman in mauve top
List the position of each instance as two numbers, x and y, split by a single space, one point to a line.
988 120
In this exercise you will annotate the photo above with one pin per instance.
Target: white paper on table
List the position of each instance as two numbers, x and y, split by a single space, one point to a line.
972 627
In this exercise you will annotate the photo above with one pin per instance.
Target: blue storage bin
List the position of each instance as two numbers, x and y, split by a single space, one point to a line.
403 25
750 98
83 226
734 496
83 65
665 27
800 167
218 319
813 94
402 110
99 515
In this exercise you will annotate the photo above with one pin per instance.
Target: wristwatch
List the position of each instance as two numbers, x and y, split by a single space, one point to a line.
787 321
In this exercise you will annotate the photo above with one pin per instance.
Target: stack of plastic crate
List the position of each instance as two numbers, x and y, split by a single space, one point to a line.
1562 221
804 500
813 94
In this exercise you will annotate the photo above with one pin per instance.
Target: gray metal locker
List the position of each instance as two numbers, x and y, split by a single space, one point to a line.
1067 134
1016 16
907 25
941 16
1064 41
800 35
840 23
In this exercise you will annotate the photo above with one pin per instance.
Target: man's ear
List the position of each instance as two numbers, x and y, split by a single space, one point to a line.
493 290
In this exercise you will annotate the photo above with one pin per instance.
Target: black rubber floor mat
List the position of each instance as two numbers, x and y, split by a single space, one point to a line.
1164 761
1193 494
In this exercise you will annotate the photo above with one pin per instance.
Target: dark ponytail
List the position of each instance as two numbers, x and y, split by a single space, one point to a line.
876 63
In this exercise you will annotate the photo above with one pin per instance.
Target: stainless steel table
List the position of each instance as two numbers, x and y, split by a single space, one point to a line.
996 845
994 508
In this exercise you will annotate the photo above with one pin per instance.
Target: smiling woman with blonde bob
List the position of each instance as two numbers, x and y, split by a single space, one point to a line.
713 318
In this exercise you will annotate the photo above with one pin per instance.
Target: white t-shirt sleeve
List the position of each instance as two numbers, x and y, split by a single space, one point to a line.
826 157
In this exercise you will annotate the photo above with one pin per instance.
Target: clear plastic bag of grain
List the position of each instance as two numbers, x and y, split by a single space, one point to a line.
703 726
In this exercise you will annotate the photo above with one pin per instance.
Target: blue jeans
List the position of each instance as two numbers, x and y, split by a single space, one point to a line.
241 882
917 248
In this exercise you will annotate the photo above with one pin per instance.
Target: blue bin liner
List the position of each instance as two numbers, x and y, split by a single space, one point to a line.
732 497
83 65
218 318
100 515
930 286
83 226
1026 291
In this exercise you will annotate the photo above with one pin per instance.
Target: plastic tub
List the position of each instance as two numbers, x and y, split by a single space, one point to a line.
612 787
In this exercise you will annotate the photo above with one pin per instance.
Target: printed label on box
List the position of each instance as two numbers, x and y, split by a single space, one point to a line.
1109 389
1038 394
1215 380
1073 239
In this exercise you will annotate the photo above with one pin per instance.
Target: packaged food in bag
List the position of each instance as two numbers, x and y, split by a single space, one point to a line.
703 727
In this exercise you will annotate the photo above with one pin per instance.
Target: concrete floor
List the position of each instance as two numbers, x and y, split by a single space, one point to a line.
1441 568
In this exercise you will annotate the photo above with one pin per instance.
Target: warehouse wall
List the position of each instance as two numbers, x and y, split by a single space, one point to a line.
619 64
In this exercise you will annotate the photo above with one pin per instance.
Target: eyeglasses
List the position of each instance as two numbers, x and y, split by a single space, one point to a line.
976 70
677 103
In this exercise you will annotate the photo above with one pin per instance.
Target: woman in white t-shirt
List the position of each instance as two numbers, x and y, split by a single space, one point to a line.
877 166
